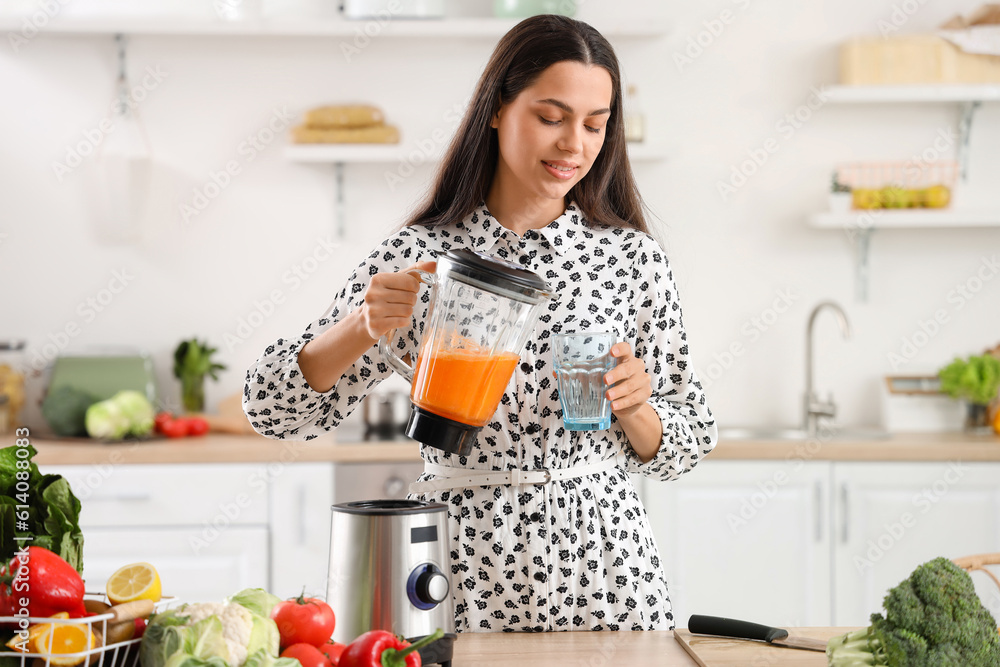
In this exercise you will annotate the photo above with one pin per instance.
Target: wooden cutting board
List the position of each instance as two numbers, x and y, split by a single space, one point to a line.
722 652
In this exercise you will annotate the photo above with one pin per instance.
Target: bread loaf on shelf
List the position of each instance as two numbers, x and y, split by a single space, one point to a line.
376 134
344 116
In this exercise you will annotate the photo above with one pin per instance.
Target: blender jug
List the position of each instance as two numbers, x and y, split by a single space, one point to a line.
481 313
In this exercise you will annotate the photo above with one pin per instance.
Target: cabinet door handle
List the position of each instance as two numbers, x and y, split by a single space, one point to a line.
818 504
302 514
845 505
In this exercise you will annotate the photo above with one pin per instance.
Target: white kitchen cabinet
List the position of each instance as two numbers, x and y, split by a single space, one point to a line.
816 543
890 517
301 497
209 529
191 569
746 539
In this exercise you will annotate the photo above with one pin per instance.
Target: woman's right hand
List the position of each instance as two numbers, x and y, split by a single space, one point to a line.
389 301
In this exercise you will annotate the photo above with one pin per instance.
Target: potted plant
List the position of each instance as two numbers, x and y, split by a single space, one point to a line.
975 380
192 362
841 197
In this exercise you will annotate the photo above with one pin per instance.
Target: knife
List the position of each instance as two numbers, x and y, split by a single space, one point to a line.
729 627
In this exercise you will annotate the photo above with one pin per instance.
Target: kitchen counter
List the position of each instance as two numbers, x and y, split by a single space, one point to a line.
254 449
638 649
220 448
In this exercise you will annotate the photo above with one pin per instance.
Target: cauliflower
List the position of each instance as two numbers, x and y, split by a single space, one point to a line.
237 632
237 624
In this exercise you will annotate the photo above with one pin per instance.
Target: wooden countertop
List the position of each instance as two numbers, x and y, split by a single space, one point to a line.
255 449
637 649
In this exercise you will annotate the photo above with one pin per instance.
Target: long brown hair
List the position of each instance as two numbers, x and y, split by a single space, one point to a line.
607 194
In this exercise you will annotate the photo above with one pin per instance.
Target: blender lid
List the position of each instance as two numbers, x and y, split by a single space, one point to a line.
497 273
390 506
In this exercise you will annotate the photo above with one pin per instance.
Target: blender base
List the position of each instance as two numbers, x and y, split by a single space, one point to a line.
440 432
439 652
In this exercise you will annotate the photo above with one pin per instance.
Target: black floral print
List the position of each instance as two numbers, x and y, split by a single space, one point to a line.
574 554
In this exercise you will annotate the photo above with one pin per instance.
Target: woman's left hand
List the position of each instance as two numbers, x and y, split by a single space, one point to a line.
634 386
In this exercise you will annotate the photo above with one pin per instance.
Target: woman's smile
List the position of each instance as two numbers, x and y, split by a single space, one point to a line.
561 169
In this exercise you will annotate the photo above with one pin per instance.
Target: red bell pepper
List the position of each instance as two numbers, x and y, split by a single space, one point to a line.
379 648
38 582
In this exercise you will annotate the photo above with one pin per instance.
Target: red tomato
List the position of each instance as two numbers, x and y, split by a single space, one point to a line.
161 419
333 651
307 655
196 426
175 428
304 620
140 628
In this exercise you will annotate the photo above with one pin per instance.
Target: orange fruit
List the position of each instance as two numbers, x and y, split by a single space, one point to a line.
60 639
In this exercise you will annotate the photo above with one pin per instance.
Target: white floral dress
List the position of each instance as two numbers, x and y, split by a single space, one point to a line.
574 554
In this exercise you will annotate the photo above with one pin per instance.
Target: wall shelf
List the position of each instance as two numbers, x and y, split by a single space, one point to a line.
858 225
906 219
310 27
339 155
373 153
943 93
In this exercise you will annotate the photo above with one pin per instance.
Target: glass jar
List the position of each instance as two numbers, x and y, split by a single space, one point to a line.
12 372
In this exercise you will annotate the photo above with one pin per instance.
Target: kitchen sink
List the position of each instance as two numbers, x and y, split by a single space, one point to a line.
833 434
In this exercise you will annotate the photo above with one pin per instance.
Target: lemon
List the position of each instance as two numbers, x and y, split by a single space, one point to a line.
138 581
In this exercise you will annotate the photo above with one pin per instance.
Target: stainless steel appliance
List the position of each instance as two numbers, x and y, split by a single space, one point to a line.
389 566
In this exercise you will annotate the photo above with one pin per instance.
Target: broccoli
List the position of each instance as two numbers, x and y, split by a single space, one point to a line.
932 619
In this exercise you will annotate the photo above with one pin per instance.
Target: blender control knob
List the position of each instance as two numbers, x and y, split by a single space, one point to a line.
432 585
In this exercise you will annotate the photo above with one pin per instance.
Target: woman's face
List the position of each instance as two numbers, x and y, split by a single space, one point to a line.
551 133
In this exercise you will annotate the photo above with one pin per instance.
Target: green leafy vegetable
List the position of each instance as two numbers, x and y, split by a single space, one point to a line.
65 410
932 619
52 513
192 363
975 379
237 632
127 413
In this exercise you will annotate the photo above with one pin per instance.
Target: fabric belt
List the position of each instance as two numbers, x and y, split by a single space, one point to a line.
451 477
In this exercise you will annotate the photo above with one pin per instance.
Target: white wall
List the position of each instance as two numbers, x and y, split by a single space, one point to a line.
732 258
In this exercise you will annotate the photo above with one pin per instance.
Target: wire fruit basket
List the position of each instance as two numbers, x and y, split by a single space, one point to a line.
93 628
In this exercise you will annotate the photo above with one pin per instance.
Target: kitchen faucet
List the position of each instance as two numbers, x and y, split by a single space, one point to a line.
814 408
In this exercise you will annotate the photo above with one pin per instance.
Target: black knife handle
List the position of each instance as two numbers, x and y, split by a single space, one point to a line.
730 627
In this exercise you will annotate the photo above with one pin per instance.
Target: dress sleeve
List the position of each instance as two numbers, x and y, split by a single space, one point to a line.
277 399
689 430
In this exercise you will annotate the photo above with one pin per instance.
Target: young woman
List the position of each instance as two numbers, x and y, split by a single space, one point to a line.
537 174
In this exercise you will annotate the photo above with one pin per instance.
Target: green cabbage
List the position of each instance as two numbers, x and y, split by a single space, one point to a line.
126 413
105 420
237 632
